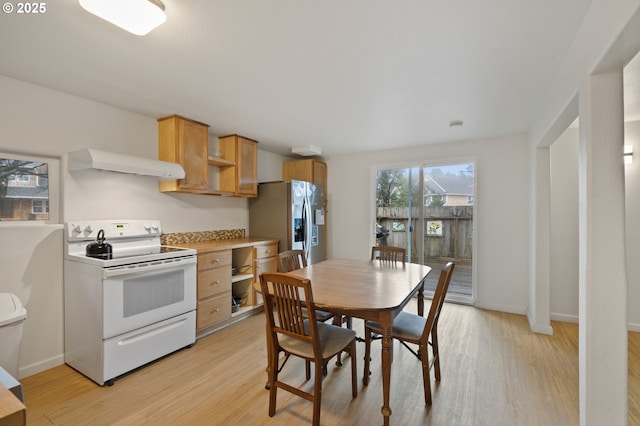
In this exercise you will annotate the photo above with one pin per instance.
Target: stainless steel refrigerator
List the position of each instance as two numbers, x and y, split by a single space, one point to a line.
293 212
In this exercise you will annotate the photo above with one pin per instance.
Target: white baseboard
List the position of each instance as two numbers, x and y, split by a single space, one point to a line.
564 318
539 328
507 309
38 367
574 319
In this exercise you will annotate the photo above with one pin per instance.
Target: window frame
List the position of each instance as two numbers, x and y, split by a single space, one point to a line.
53 203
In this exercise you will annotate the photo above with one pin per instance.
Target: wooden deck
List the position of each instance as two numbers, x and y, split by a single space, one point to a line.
460 286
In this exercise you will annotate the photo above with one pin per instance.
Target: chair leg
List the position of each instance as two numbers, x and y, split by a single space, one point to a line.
367 355
338 320
273 388
426 379
436 355
307 368
317 393
354 369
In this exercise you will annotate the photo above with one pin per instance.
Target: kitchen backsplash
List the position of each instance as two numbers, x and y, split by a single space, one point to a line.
194 237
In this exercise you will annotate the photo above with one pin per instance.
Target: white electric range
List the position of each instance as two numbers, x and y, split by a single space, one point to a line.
127 311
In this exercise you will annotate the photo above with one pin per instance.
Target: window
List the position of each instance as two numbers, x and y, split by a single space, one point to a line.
19 178
40 206
25 194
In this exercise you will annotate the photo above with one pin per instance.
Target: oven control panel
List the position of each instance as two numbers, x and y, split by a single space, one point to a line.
88 229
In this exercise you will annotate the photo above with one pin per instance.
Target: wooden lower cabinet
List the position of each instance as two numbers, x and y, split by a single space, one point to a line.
213 311
214 288
227 270
214 281
264 251
264 261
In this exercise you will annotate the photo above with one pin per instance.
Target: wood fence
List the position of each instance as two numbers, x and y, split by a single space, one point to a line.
448 230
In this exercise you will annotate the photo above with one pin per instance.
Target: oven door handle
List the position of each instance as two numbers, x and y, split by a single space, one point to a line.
149 267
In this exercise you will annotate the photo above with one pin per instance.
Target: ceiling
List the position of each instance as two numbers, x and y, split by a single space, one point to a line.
346 76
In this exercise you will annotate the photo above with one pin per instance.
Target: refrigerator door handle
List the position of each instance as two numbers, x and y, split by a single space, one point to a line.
304 227
306 218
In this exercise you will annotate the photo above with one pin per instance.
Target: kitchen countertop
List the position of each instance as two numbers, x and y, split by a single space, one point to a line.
232 243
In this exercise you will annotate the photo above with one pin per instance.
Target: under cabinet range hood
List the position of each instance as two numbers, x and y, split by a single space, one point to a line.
123 163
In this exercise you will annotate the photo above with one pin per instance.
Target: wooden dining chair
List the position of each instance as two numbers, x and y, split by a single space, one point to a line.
415 329
291 332
290 260
389 255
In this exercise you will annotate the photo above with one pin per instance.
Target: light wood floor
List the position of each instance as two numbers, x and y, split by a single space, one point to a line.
495 372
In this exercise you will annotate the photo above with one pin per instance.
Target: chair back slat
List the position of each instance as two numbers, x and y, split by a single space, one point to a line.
438 299
291 260
389 255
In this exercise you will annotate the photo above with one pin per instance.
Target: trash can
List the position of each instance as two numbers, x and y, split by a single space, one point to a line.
12 315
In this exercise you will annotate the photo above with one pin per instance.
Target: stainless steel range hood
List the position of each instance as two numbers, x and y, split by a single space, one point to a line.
122 163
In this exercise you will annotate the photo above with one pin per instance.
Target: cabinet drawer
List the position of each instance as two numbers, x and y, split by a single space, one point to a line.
266 250
213 311
213 281
214 259
265 265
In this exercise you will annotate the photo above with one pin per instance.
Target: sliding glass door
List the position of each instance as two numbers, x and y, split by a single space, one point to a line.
428 209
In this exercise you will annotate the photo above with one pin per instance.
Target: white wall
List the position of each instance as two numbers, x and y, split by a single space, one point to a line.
270 166
632 215
502 214
39 121
564 226
31 265
563 277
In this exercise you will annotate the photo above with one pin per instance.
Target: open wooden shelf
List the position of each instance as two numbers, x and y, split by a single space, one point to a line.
242 310
241 277
220 162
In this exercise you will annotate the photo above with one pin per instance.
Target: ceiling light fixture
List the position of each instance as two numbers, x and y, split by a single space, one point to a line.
307 151
136 16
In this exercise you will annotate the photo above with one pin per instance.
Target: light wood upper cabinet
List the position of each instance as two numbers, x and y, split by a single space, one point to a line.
308 170
233 173
242 179
184 141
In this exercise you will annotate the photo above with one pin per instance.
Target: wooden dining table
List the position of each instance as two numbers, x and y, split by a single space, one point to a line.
369 290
